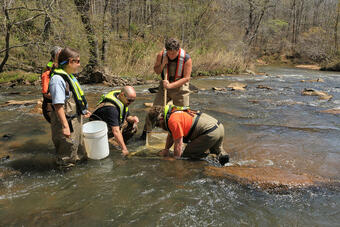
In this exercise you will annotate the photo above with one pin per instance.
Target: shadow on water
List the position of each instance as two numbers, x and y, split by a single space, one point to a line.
38 163
32 157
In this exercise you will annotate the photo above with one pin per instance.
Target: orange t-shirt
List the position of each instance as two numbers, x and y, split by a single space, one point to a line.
179 124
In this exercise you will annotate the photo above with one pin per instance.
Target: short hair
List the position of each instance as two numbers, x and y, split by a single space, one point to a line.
155 114
172 44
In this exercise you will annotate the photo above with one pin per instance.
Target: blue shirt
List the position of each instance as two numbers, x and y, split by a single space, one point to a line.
57 89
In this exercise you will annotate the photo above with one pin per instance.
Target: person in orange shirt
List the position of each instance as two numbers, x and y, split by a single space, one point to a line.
202 133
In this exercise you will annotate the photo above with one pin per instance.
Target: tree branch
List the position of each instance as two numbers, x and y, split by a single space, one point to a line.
19 45
29 19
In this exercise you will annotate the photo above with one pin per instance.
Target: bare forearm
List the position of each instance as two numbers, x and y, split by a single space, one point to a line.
119 137
179 82
169 142
178 147
59 108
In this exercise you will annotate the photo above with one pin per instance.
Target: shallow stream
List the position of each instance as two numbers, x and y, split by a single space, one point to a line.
275 126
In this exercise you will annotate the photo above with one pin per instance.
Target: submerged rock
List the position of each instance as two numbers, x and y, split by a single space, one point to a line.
264 87
218 89
7 172
267 178
312 92
7 137
148 104
250 72
332 111
24 102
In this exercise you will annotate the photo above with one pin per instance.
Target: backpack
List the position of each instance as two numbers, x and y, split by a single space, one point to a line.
47 103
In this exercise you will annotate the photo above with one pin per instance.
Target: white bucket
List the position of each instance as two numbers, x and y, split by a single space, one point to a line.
95 139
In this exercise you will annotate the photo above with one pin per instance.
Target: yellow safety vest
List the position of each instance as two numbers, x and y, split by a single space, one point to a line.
112 97
78 93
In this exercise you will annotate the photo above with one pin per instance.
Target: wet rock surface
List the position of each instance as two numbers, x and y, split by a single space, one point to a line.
237 86
8 172
23 102
320 80
332 111
7 137
312 92
108 79
266 178
264 87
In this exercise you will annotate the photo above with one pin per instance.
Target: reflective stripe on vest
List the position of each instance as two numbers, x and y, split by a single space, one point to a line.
180 64
76 89
111 96
50 64
169 109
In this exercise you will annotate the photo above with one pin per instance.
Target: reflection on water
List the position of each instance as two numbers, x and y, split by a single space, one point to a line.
277 128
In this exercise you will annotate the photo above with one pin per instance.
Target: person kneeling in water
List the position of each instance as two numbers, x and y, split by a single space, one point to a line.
202 133
113 109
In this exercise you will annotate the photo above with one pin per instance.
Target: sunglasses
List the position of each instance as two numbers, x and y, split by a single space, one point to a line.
128 99
75 61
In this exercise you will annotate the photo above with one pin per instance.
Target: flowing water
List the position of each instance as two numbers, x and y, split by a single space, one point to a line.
275 127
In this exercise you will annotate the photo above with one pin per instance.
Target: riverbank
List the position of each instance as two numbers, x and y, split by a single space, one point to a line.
17 77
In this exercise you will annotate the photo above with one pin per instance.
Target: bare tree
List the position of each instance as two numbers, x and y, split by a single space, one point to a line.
255 16
336 40
83 7
9 23
104 31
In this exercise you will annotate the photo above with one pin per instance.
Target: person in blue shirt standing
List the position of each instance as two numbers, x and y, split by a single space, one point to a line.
69 107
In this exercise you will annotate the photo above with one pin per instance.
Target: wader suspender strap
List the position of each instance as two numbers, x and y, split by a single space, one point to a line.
212 129
187 138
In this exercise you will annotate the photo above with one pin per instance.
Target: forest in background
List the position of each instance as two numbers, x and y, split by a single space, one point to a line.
123 36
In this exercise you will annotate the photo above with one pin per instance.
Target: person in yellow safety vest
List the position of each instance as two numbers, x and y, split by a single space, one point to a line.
69 107
175 67
202 133
113 109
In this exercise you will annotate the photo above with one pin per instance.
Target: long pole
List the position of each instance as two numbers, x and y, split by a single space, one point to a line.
165 97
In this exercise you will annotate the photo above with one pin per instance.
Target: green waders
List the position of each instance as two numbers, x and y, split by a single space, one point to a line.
206 138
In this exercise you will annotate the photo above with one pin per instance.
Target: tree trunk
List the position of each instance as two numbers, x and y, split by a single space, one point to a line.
47 27
8 27
254 21
293 9
336 40
104 32
117 17
83 7
316 12
130 17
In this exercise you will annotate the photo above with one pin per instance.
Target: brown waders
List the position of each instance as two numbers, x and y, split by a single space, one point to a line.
206 138
69 150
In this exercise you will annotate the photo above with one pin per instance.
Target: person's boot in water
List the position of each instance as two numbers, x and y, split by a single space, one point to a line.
223 159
